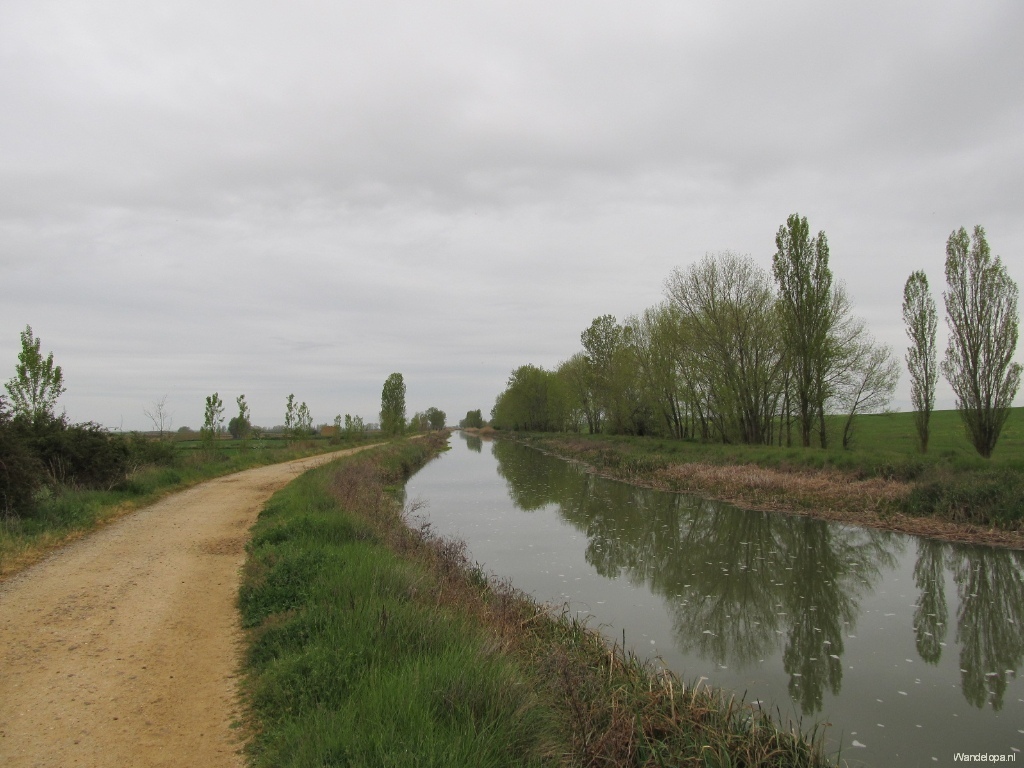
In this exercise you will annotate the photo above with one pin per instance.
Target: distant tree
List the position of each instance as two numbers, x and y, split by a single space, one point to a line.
303 420
436 418
919 316
337 427
601 342
802 273
652 337
239 426
577 376
289 415
214 418
37 382
981 310
534 400
159 416
418 422
354 426
392 405
473 420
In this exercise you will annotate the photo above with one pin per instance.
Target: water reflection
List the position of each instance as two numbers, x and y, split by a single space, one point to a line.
473 442
742 585
990 585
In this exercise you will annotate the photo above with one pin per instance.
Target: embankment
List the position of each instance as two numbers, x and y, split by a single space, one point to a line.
373 642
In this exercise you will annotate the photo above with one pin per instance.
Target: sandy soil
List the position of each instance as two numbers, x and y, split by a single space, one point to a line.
122 649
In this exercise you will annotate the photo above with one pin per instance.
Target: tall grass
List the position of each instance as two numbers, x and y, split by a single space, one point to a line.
373 642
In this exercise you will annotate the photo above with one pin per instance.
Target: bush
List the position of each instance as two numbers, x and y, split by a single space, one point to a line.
983 498
21 472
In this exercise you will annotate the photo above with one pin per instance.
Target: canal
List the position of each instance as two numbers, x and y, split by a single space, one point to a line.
909 648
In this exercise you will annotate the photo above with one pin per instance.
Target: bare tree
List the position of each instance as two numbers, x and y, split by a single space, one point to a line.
919 315
868 384
159 416
981 309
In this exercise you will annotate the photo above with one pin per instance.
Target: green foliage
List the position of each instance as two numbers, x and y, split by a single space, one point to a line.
354 426
289 415
37 382
239 426
392 405
436 418
473 420
919 316
213 419
535 400
981 310
21 471
801 270
303 420
734 351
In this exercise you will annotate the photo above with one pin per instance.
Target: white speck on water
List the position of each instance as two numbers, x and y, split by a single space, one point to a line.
856 743
652 642
833 656
902 693
880 725
909 661
890 614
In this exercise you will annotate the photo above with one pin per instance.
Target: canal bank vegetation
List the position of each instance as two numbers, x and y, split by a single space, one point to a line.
775 369
372 641
884 482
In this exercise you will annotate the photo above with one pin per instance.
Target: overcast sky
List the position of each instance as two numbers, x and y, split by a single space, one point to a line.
302 197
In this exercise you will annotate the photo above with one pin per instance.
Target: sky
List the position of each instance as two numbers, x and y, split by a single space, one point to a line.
266 198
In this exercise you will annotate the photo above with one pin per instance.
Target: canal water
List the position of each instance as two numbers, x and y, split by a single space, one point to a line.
911 649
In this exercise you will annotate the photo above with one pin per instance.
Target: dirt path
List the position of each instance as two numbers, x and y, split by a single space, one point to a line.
122 648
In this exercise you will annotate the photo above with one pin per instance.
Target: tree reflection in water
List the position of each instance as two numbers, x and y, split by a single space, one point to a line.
739 585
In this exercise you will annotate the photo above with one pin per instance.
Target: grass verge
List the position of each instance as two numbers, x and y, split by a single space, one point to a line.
949 492
66 513
373 642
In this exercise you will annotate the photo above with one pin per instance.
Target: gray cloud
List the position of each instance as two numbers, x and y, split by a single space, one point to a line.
267 198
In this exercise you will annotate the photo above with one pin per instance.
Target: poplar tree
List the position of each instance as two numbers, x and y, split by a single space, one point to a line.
981 311
919 316
801 270
392 405
214 417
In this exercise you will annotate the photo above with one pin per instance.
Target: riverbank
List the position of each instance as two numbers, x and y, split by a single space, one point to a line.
981 506
63 515
370 641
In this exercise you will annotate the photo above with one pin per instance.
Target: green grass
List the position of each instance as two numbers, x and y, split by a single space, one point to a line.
950 481
63 512
371 643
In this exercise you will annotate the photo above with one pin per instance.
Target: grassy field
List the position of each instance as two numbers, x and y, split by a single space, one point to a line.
883 472
67 512
374 643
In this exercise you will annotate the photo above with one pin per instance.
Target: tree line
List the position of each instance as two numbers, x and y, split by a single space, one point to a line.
740 355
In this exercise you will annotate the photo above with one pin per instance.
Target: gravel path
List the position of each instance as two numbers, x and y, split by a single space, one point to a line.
122 649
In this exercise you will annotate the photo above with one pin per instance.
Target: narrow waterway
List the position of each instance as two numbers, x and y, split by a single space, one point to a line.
909 648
